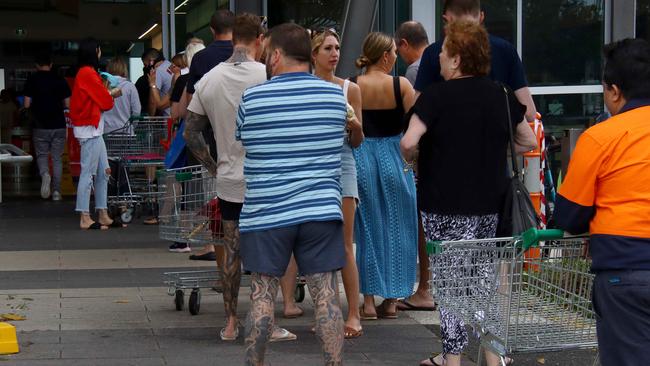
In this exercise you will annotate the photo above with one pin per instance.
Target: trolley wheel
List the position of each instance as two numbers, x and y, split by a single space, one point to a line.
299 293
179 300
127 216
195 302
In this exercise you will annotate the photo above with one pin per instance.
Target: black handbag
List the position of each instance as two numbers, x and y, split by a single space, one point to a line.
518 213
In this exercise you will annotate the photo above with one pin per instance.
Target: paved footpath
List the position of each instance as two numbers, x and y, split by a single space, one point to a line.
97 298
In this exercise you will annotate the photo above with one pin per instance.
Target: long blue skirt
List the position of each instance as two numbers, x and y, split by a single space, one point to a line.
385 225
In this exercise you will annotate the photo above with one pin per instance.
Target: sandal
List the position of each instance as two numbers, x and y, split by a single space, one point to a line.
364 316
350 332
382 310
95 226
116 225
284 335
222 334
431 361
151 221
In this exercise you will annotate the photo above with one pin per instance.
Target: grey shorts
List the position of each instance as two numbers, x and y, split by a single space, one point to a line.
348 174
317 245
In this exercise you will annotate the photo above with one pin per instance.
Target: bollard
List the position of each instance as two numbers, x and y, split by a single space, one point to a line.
8 340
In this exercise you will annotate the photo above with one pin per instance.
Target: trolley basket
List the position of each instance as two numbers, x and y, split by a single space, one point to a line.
189 210
518 301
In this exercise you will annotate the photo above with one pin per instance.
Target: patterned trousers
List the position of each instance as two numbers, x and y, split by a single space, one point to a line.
456 227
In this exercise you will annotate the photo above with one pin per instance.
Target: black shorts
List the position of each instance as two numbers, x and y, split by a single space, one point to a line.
318 248
230 211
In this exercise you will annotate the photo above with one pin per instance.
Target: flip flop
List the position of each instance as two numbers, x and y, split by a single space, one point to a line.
94 226
383 313
116 225
284 335
364 316
350 333
151 221
431 361
222 334
406 305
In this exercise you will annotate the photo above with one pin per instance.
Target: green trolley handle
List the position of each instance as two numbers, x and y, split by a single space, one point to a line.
532 237
529 238
183 177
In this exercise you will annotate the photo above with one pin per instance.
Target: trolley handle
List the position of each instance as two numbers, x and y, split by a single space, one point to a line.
434 247
532 237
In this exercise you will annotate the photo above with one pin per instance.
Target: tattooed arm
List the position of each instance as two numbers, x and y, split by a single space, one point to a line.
194 126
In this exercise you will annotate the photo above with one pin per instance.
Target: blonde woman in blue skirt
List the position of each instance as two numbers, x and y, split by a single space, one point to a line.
386 221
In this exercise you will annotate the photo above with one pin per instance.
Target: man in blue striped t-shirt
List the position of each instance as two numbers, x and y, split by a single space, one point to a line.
292 129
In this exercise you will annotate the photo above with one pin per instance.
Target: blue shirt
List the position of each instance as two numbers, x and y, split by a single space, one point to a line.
506 65
292 128
204 60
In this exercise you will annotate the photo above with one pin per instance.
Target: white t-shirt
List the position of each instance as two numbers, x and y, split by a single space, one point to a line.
217 96
88 132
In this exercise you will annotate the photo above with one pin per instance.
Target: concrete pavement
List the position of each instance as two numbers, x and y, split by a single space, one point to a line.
97 298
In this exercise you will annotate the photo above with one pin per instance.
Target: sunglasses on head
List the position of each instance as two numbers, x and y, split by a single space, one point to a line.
321 30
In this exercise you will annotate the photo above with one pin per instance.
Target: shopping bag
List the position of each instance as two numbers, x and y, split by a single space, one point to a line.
176 156
518 212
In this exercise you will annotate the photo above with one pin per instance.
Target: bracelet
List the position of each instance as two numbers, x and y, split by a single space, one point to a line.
153 86
407 165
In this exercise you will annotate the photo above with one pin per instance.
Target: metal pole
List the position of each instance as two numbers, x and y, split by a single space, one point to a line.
357 23
172 27
165 28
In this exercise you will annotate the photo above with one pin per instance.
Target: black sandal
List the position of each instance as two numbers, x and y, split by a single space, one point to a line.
116 225
94 226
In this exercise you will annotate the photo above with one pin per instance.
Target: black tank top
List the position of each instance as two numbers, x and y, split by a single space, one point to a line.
384 122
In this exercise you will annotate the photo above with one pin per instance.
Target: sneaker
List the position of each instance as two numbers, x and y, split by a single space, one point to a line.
45 186
179 248
56 196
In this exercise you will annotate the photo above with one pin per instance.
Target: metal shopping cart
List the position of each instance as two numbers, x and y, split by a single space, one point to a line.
189 210
135 151
515 303
189 213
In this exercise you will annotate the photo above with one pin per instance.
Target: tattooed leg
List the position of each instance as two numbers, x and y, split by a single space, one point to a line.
231 274
259 323
329 319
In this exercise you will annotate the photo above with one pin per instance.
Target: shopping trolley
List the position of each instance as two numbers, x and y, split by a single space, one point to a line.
189 213
136 151
518 304
188 207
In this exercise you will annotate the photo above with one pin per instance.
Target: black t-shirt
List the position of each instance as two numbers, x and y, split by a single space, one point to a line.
505 67
47 91
462 161
142 86
179 86
204 60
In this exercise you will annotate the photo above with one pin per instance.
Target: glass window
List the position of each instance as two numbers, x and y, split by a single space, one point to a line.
562 41
643 19
193 20
562 111
311 14
500 18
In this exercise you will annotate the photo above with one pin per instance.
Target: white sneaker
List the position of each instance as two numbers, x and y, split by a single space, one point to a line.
45 186
56 196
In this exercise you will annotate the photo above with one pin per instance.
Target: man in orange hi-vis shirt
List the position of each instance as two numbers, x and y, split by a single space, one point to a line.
607 192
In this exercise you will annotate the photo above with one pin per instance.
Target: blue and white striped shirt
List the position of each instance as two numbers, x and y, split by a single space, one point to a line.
292 129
